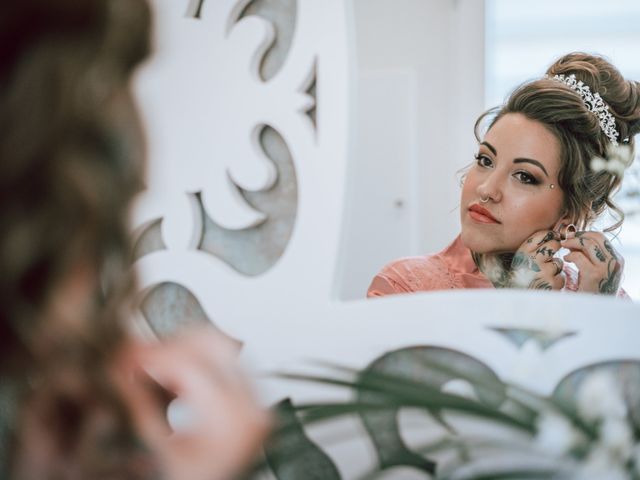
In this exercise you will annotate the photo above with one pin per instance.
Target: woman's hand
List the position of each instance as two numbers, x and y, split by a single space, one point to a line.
224 425
599 264
534 265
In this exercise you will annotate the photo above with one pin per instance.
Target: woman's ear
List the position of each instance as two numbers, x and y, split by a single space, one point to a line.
563 222
565 226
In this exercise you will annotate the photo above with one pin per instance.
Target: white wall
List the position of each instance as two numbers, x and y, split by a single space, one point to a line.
419 70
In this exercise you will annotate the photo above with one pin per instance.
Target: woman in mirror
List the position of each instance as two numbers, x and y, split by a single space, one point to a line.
547 167
80 398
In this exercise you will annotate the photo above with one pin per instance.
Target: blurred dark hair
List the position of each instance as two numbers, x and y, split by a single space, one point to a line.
69 167
587 193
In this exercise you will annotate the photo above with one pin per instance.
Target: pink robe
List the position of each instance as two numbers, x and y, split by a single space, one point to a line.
453 267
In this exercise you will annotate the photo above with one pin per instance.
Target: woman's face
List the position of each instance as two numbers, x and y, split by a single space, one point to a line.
516 164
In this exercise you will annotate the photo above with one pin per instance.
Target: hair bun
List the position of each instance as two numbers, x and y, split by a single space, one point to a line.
621 95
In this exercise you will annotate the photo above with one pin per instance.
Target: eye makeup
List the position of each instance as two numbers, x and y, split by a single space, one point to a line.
523 176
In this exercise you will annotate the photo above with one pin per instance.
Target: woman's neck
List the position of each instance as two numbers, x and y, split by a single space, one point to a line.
495 266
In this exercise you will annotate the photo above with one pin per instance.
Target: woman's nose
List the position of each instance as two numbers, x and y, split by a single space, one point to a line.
490 187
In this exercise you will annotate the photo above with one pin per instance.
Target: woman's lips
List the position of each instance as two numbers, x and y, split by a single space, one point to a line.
481 215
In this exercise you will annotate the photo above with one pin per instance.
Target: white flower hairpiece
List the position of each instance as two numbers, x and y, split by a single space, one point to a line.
594 103
619 158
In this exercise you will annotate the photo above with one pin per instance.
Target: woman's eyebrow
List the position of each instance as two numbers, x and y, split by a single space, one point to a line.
517 160
490 147
532 161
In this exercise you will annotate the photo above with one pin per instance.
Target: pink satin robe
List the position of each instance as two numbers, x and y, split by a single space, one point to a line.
453 267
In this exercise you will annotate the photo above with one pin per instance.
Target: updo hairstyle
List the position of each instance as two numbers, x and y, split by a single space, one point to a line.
587 193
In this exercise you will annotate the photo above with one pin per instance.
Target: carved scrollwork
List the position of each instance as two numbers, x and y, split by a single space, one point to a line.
223 174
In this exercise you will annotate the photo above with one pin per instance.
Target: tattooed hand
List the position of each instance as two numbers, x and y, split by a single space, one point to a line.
599 264
532 266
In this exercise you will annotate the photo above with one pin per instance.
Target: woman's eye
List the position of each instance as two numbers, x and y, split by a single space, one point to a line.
483 160
526 178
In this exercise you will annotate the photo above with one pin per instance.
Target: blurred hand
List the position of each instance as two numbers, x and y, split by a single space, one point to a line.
199 369
599 264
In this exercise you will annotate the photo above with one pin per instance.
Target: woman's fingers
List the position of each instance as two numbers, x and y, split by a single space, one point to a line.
589 247
599 264
224 424
542 238
228 425
558 264
559 281
139 392
534 266
542 245
578 258
551 276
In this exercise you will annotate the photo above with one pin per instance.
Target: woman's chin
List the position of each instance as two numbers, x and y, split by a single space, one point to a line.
483 245
473 243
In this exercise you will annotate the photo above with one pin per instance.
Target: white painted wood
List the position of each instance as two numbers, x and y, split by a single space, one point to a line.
202 101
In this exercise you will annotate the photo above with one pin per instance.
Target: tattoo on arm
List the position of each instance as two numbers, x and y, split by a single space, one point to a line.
610 284
609 248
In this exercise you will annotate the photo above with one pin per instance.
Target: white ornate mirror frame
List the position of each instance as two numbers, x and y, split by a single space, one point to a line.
207 106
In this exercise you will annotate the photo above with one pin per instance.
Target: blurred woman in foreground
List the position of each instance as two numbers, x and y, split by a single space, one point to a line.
75 400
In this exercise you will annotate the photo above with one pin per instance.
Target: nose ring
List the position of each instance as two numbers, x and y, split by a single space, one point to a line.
484 200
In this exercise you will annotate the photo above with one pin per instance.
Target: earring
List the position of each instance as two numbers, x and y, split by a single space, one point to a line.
565 230
552 186
484 200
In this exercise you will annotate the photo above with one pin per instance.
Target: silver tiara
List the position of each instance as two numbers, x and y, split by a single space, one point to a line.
594 104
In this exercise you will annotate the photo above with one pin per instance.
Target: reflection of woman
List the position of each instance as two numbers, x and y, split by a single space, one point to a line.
532 189
75 400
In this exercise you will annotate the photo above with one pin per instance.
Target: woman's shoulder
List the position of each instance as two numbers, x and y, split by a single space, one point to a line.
411 274
411 263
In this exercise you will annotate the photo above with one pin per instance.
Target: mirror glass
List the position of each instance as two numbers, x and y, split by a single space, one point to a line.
424 72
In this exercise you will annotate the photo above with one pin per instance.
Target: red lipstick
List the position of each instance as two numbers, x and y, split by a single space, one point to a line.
481 215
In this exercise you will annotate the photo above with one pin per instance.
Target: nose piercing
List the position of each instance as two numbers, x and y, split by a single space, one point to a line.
484 200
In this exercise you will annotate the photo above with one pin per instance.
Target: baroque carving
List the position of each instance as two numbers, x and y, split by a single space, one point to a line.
225 182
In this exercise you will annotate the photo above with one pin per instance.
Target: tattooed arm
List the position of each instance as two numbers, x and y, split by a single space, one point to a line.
600 265
532 266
